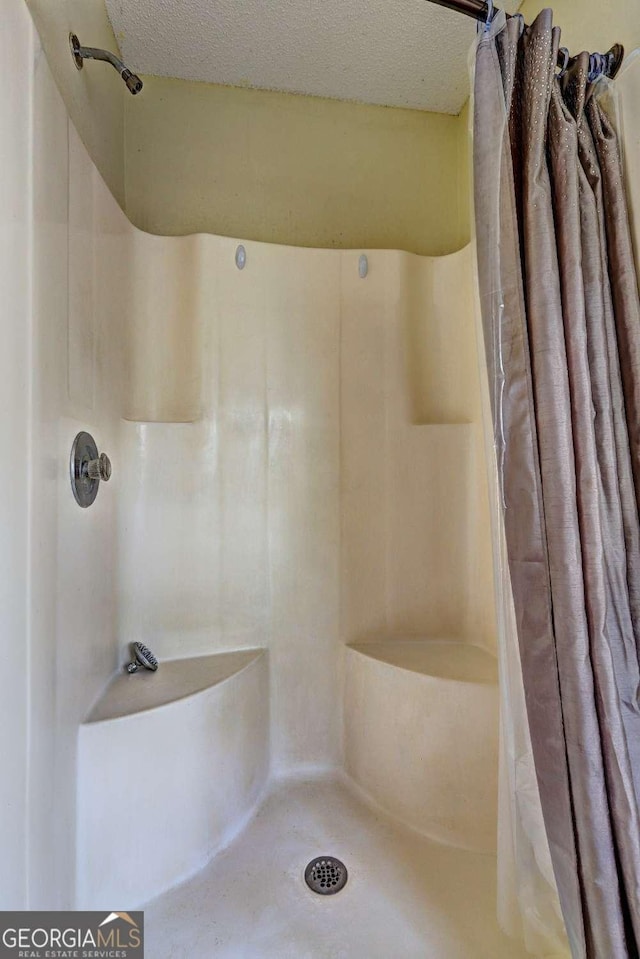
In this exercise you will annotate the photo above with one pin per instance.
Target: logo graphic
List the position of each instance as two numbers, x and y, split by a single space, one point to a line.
71 935
119 915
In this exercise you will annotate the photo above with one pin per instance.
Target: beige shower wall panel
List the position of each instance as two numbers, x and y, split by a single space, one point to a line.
415 548
318 496
433 360
169 538
230 526
366 308
428 536
197 574
236 403
303 405
163 333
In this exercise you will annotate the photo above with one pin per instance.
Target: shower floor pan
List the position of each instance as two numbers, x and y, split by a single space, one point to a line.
407 897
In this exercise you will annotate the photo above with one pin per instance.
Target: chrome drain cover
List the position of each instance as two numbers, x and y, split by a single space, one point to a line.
326 875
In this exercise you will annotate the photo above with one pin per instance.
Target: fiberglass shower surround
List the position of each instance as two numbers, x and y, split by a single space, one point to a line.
287 390
249 572
298 525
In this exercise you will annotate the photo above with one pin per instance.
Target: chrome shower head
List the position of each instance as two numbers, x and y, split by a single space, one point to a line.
80 54
133 81
142 658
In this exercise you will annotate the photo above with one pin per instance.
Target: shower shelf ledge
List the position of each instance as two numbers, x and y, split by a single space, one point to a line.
441 659
170 764
421 735
176 679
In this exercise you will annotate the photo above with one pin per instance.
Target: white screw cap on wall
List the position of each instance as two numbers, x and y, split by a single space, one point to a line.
363 266
241 257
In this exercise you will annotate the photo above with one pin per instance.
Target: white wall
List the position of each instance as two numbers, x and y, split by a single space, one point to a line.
61 373
16 90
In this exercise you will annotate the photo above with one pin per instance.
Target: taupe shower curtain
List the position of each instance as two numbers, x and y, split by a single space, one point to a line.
561 320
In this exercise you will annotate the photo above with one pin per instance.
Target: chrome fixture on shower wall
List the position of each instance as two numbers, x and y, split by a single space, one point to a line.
80 54
142 658
87 468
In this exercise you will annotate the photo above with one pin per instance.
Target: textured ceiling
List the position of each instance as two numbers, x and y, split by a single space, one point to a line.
402 53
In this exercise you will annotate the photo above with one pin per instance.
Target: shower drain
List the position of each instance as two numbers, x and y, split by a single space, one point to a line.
326 875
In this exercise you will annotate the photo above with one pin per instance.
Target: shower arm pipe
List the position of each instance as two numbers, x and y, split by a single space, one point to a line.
483 11
80 54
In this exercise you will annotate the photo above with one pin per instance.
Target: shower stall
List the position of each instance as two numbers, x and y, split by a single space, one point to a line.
297 525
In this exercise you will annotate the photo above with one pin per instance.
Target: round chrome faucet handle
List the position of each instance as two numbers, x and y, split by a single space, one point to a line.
87 467
99 468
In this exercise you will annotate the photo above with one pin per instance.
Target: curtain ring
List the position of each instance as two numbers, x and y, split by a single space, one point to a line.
565 61
597 66
487 25
484 27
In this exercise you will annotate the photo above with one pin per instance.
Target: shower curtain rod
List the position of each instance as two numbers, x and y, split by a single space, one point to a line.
479 10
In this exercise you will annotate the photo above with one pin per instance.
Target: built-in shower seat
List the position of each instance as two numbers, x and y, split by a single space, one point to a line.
170 766
421 735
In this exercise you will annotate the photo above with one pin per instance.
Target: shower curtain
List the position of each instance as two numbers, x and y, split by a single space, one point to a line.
561 321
